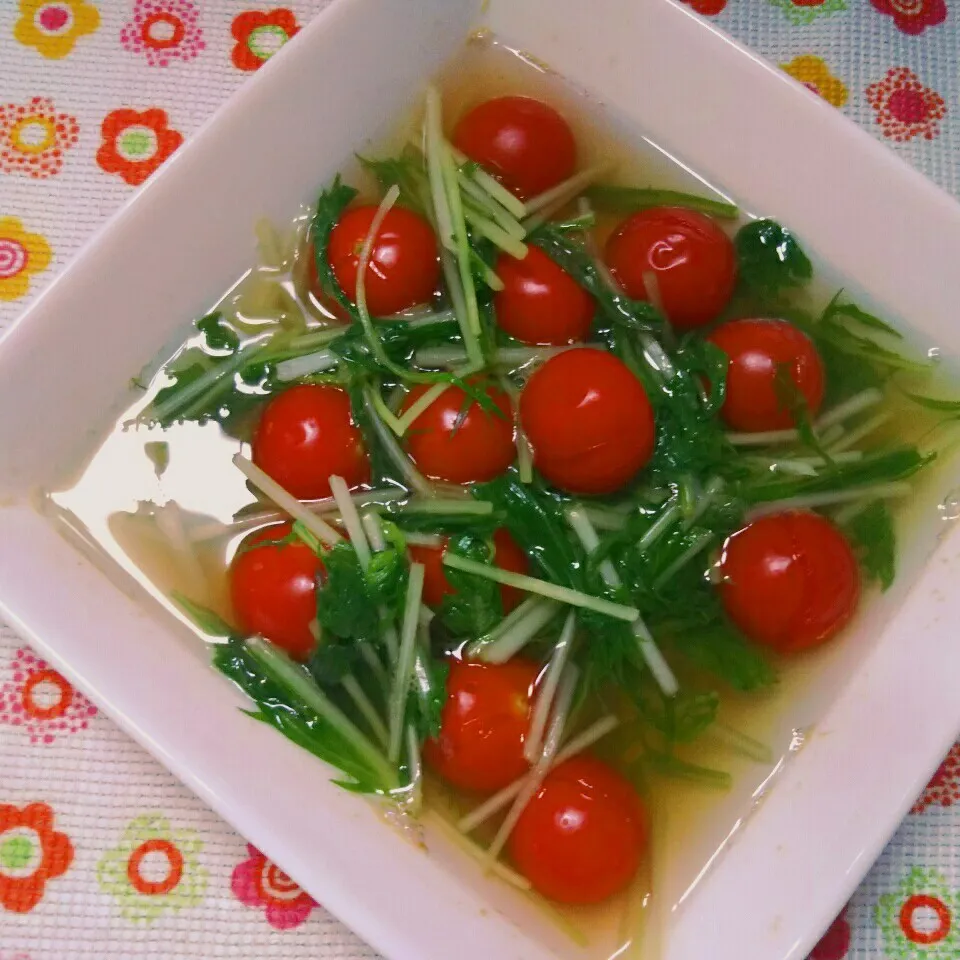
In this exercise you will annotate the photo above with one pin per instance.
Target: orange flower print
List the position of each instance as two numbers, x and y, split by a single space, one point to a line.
40 702
905 108
34 137
260 35
31 853
135 144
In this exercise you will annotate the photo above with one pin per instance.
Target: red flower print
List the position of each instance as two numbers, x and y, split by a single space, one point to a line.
135 144
31 853
913 16
707 8
835 943
905 108
164 30
42 703
34 137
260 35
256 882
944 788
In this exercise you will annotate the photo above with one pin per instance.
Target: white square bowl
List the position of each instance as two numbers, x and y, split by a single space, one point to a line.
886 706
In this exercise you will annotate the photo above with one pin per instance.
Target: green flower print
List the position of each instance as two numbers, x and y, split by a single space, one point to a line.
919 920
153 869
802 12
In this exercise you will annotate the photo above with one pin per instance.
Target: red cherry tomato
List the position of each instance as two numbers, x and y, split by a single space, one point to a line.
274 589
581 837
306 434
691 258
540 302
506 555
588 420
483 724
757 348
524 143
476 447
404 263
789 580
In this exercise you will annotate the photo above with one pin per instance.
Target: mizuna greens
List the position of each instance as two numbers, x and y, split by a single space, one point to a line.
616 592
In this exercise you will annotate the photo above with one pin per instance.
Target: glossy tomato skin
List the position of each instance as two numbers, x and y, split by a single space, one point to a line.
588 421
483 724
273 589
789 580
582 836
478 447
540 302
757 348
305 435
692 259
506 555
523 142
404 265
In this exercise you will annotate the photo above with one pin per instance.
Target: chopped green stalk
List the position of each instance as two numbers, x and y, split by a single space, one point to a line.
848 408
580 523
710 492
651 286
418 406
411 475
487 273
763 438
494 804
524 450
740 742
297 367
545 588
515 637
495 234
451 278
583 221
496 190
654 659
670 766
433 143
373 530
351 519
631 199
551 745
415 771
373 662
386 413
407 654
547 203
367 710
659 527
603 518
533 743
478 508
423 539
851 511
485 203
316 338
656 357
510 620
426 616
880 491
286 501
280 668
699 543
858 433
509 357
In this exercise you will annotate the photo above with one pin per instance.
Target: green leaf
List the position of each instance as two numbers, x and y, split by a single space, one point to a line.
217 334
872 531
630 199
791 398
940 404
407 171
770 259
720 650
681 718
852 311
474 608
344 605
332 661
387 579
430 693
330 206
206 620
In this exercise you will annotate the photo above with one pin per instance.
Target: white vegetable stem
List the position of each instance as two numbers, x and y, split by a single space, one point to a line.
351 519
496 190
405 660
286 501
581 525
543 587
411 475
548 687
433 137
366 708
547 203
859 433
881 491
494 804
515 637
303 366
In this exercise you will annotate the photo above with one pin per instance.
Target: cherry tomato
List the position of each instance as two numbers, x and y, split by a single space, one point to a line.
483 724
524 143
789 580
274 589
540 302
305 435
404 265
588 420
689 256
506 555
757 348
461 449
581 837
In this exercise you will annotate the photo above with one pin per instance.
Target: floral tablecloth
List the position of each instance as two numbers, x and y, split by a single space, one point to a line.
102 853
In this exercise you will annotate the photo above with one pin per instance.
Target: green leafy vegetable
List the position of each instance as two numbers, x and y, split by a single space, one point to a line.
872 531
629 199
770 259
474 608
408 172
344 605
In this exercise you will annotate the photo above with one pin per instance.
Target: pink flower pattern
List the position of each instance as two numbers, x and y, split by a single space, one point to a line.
943 790
905 108
913 16
40 701
256 882
164 31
